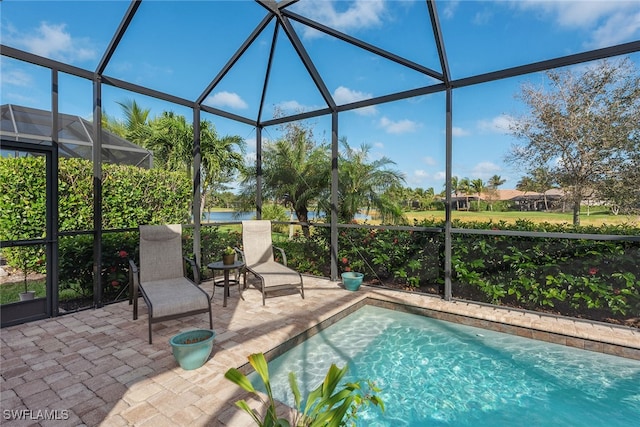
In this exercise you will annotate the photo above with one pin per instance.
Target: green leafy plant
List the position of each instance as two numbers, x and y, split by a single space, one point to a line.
30 259
326 406
228 251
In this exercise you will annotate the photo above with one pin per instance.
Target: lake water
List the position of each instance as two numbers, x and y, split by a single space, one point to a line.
242 216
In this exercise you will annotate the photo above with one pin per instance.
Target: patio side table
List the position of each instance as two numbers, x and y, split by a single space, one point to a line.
226 268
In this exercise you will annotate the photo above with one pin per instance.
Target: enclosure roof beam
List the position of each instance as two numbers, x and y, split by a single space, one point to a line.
235 57
51 64
306 60
122 28
437 35
363 45
563 61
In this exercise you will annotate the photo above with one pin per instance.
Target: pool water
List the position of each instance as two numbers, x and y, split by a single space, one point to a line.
436 373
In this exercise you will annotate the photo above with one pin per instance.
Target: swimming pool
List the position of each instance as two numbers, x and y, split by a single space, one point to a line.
437 373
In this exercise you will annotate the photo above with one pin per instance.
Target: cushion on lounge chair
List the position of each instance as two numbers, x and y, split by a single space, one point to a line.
174 296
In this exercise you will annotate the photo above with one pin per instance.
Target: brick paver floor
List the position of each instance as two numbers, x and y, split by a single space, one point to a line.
96 367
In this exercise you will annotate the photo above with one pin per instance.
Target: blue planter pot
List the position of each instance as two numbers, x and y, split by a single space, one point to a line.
352 280
192 348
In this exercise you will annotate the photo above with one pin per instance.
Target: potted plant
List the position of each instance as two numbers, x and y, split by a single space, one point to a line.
228 255
28 259
192 348
352 280
27 295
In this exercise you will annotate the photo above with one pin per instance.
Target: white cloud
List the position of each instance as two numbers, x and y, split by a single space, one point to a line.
500 124
441 175
485 170
449 9
55 42
618 28
419 173
456 131
16 78
610 22
396 127
292 106
226 99
354 16
429 161
343 95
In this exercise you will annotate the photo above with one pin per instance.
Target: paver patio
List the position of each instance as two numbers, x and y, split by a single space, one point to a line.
95 367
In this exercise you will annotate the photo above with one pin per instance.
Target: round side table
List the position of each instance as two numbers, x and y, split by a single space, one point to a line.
226 268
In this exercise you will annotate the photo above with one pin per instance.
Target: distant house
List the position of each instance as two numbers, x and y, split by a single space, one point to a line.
553 199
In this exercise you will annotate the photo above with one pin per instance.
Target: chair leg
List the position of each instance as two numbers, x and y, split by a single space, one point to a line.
150 340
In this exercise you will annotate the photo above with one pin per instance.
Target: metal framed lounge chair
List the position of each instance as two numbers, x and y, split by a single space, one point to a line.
161 279
258 255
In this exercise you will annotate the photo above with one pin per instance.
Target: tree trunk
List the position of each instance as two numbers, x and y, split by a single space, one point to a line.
576 212
303 216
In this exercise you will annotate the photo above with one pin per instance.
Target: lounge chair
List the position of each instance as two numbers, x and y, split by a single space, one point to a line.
258 255
161 280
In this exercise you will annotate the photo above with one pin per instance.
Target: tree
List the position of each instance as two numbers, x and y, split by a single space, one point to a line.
464 186
363 184
478 187
583 129
495 181
455 189
170 137
295 171
492 188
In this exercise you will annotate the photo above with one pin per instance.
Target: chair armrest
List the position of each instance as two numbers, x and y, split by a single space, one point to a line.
284 256
194 268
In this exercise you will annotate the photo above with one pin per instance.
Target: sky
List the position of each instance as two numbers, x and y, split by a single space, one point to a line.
179 47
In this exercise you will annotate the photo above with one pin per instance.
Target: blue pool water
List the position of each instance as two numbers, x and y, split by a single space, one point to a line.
436 373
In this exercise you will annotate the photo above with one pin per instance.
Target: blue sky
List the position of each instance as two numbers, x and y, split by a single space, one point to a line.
179 47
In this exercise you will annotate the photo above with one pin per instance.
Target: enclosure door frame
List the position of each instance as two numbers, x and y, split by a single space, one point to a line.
38 308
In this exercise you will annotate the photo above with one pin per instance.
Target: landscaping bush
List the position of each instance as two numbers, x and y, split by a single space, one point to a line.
131 196
596 279
76 264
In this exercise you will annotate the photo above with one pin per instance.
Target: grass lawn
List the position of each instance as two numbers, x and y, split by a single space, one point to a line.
9 292
594 218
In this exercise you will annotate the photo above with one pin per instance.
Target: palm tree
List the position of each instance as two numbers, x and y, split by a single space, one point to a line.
494 182
478 186
464 186
455 188
136 126
295 170
362 184
222 159
171 140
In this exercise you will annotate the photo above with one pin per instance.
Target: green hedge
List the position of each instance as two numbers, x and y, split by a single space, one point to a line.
131 196
596 279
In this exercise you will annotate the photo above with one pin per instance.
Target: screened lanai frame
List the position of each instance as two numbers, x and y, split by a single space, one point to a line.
279 12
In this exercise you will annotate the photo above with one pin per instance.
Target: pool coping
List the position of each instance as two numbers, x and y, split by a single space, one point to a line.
577 333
